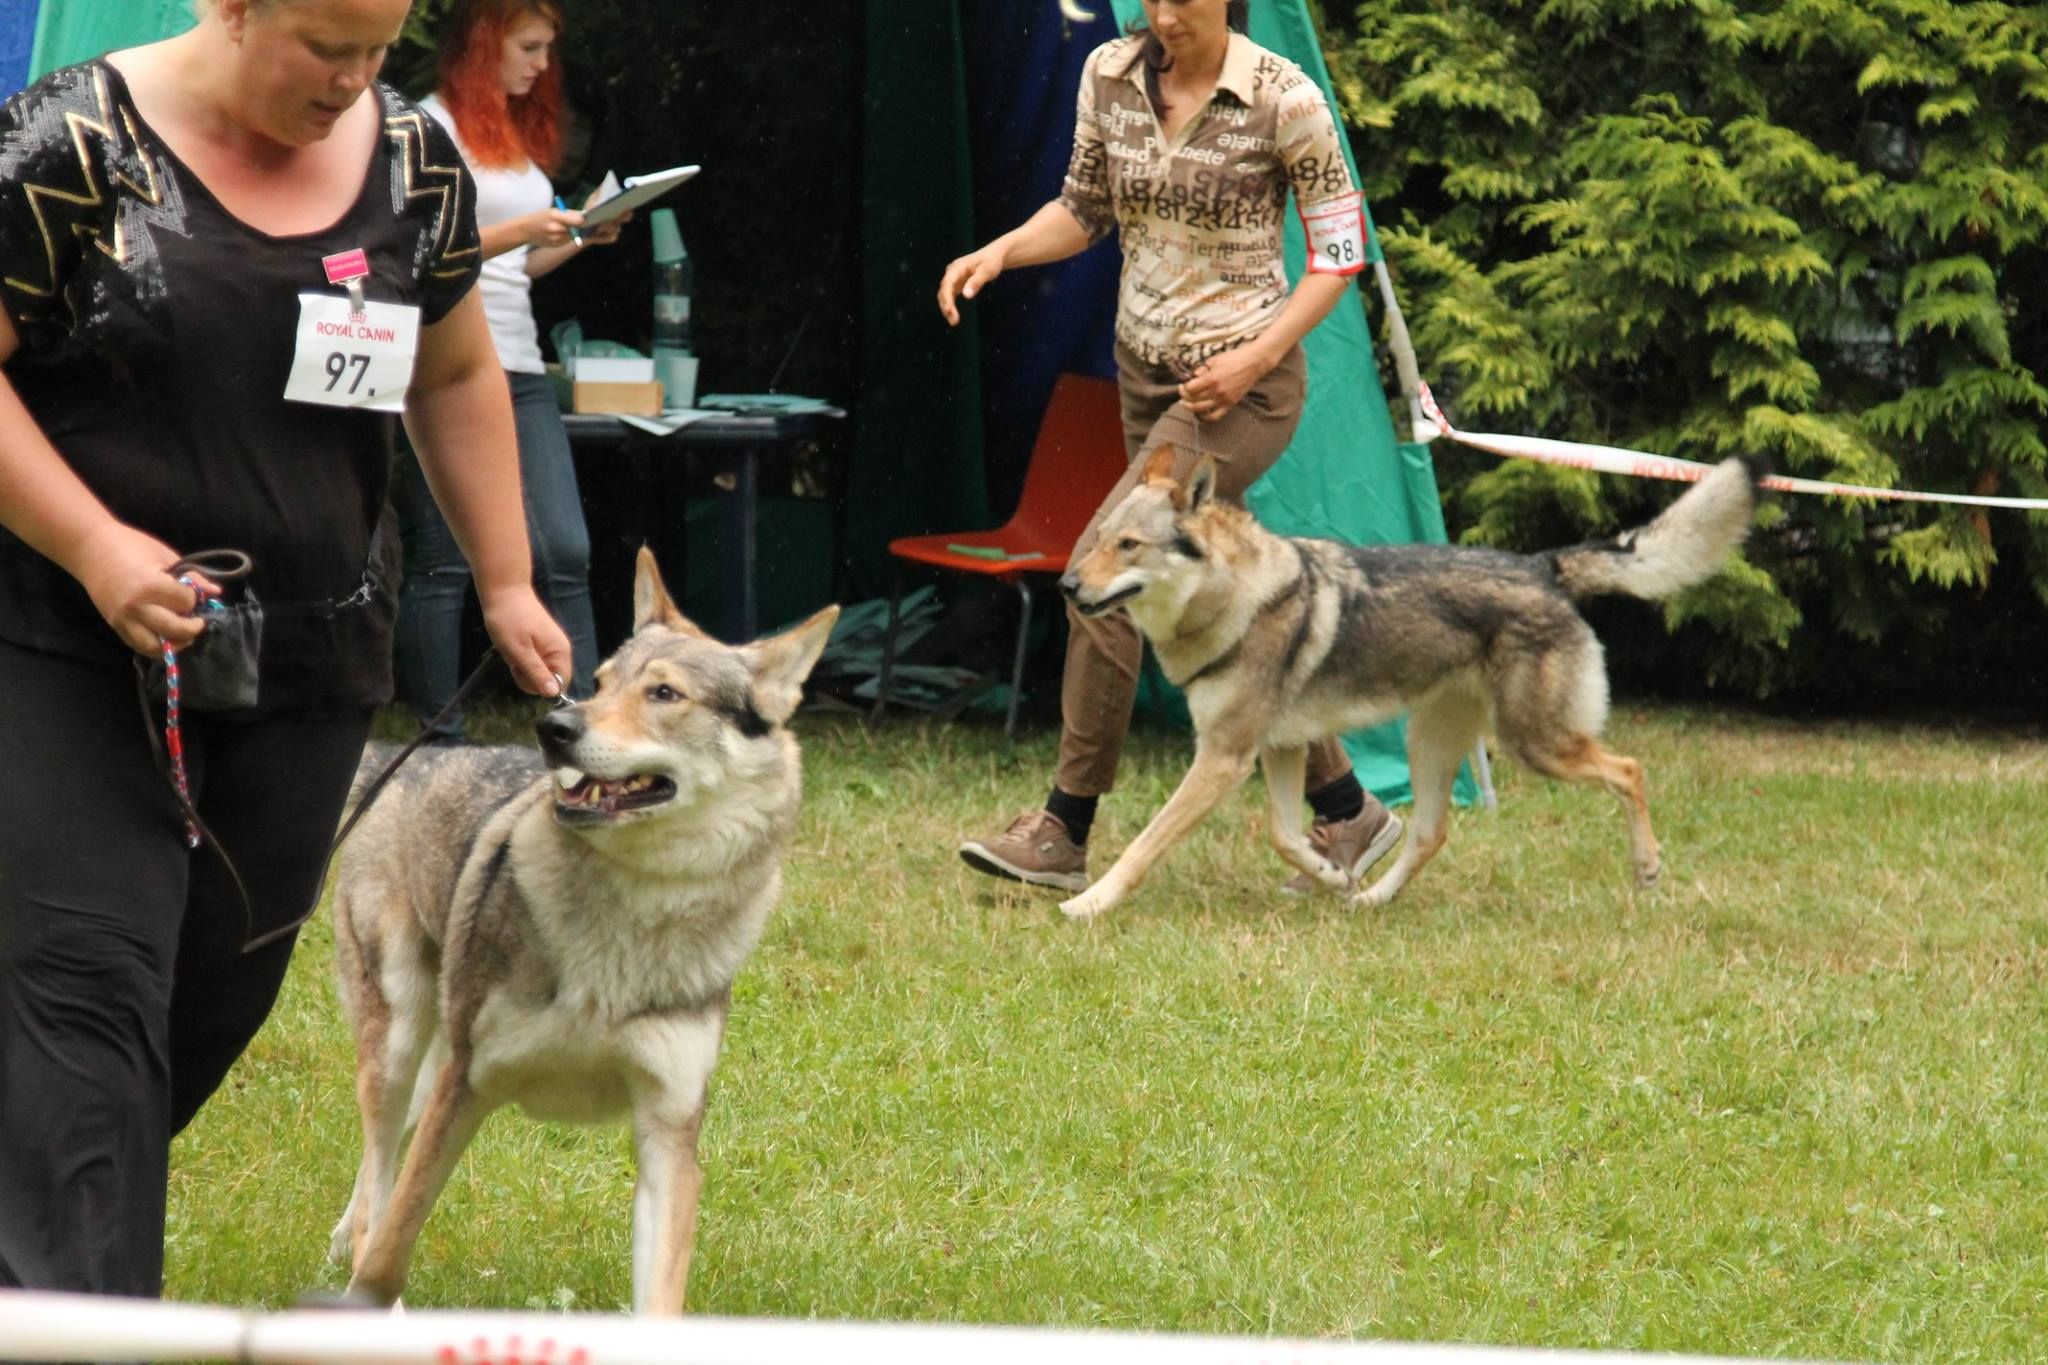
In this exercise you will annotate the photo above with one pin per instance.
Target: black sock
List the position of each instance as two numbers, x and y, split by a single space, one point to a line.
1339 801
1077 813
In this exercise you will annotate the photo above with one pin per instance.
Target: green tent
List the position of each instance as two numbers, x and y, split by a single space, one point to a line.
72 30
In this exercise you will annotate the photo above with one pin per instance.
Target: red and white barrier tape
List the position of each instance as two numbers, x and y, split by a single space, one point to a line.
1643 465
45 1326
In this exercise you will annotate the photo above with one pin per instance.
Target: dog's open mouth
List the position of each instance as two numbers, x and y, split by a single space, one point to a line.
580 797
1111 602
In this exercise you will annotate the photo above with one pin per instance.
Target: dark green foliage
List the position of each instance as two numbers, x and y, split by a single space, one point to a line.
1811 230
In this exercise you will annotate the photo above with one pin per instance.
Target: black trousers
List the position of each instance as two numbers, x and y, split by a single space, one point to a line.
124 993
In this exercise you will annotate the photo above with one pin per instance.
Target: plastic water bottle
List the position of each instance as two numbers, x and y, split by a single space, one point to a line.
674 363
673 276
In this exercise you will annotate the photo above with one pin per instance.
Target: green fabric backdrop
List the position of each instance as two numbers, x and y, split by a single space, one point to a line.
916 462
70 31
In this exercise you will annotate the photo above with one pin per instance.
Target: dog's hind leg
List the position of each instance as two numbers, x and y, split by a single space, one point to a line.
1214 775
393 1013
451 1118
1441 731
1580 758
390 1102
1285 771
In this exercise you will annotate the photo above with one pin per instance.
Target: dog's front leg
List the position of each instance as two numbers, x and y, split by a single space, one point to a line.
1214 775
665 1194
1286 774
450 1119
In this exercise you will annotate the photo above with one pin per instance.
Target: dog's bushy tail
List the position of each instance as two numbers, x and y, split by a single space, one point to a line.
1685 544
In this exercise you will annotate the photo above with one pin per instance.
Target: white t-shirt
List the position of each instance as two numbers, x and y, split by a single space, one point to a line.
507 288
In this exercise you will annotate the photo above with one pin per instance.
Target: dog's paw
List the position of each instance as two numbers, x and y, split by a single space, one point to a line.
1087 905
337 1298
1372 898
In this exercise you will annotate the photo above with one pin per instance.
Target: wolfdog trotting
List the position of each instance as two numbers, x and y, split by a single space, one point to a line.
561 929
1279 641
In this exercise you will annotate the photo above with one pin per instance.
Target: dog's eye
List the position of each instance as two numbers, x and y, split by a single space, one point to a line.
663 692
1127 544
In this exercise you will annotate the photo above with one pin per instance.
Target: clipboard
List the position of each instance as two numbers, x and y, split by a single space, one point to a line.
634 191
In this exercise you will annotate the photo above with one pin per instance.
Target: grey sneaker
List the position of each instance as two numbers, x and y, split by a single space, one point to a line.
1354 844
1036 849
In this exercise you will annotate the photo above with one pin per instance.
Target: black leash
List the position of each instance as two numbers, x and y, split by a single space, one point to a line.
253 941
370 793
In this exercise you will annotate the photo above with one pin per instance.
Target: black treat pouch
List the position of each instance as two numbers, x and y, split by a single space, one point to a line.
218 671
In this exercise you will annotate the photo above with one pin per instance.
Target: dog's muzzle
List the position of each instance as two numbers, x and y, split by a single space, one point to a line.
1070 585
558 732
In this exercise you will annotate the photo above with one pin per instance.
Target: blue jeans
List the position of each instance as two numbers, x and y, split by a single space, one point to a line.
436 588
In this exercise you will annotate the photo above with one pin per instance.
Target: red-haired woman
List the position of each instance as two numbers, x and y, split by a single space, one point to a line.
500 94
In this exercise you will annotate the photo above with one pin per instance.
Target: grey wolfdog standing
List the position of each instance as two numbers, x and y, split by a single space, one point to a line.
1279 641
561 929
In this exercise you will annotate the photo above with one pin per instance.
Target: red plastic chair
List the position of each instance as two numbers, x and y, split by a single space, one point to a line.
1076 460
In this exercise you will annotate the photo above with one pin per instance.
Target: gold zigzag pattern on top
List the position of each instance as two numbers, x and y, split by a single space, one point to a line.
409 131
92 196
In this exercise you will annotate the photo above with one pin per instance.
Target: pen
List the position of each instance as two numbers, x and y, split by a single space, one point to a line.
574 235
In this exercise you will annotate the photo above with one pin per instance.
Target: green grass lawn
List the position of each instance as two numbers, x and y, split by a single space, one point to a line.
1790 1103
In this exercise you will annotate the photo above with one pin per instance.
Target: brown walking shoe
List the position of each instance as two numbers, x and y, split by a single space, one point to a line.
1354 844
1036 849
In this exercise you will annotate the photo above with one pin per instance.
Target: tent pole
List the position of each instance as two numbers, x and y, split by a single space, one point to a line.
1404 355
1424 431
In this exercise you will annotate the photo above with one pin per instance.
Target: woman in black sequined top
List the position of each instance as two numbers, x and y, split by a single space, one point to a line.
183 366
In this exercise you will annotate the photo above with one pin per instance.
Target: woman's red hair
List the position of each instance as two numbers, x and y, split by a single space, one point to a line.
498 131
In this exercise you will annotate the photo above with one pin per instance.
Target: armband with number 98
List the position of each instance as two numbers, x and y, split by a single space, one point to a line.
1336 235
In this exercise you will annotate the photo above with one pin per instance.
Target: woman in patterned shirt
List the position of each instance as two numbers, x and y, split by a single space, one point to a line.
1188 139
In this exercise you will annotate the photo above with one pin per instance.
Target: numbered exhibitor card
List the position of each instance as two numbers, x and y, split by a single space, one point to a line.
349 359
1336 235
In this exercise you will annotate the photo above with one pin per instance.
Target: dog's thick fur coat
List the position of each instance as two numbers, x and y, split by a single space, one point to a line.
561 929
1279 641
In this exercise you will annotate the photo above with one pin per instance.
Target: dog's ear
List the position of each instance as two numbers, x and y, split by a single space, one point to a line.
1159 467
651 603
782 662
1201 486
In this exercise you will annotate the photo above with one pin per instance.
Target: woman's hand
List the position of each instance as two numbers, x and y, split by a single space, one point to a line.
1223 381
128 576
965 277
551 227
534 647
604 234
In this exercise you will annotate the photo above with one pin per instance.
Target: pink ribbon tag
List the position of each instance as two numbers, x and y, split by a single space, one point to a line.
349 268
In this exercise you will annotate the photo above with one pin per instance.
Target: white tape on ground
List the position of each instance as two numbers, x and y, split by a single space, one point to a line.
44 1326
1643 465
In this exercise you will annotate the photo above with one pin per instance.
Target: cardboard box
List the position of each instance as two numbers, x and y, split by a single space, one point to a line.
619 369
637 400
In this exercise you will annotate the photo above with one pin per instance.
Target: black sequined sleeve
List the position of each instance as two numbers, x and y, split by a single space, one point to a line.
432 163
57 200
